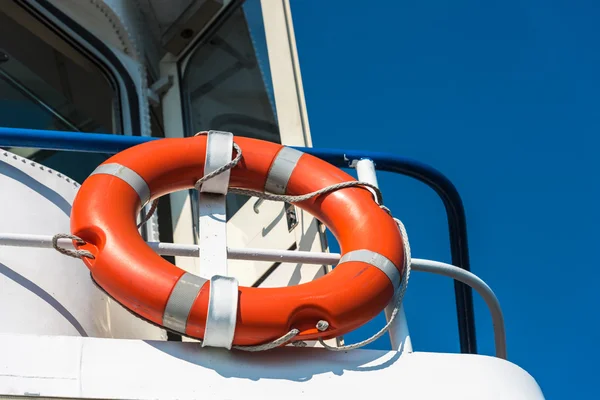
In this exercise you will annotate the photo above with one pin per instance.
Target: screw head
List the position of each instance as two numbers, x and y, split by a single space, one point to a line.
3 57
187 33
322 325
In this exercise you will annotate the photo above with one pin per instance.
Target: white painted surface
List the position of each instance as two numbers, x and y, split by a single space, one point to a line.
292 117
211 206
181 203
134 369
223 295
41 290
399 334
219 152
266 230
212 235
222 312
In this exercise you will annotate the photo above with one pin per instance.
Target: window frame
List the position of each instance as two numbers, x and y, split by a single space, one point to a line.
97 52
114 69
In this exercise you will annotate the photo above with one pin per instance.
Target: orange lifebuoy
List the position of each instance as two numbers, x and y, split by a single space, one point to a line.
104 215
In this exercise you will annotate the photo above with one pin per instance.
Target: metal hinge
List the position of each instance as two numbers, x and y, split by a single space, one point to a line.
290 216
289 209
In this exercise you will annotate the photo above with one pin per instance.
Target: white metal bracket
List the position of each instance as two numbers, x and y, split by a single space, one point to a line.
158 88
223 300
399 334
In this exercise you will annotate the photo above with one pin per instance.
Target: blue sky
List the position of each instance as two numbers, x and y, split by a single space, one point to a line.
503 97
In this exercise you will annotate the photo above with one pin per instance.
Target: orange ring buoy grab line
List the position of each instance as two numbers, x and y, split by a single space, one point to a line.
363 283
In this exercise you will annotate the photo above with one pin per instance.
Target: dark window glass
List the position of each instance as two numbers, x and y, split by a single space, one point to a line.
227 84
45 83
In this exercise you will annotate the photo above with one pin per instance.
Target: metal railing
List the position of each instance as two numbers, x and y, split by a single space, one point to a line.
104 143
399 335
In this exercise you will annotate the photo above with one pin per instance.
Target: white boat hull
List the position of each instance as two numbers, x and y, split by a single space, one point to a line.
90 368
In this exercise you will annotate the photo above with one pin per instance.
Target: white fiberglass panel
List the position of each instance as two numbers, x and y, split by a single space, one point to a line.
134 369
41 290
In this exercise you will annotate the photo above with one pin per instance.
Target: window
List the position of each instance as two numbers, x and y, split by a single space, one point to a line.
227 84
45 83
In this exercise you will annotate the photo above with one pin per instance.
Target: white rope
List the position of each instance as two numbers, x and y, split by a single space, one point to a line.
281 197
149 214
220 170
271 345
297 199
67 252
378 197
398 304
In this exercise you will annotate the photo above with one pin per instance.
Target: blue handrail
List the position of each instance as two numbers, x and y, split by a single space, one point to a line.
457 224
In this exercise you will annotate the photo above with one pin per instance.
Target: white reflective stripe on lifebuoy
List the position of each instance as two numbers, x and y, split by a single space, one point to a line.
281 170
181 300
377 260
127 175
222 312
219 148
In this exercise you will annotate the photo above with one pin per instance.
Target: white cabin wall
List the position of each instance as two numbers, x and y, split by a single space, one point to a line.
50 293
285 72
293 122
42 291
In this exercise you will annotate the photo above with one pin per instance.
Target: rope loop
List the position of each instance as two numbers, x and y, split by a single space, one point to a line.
68 252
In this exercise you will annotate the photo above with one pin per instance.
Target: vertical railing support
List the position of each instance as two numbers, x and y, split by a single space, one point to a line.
223 296
399 335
